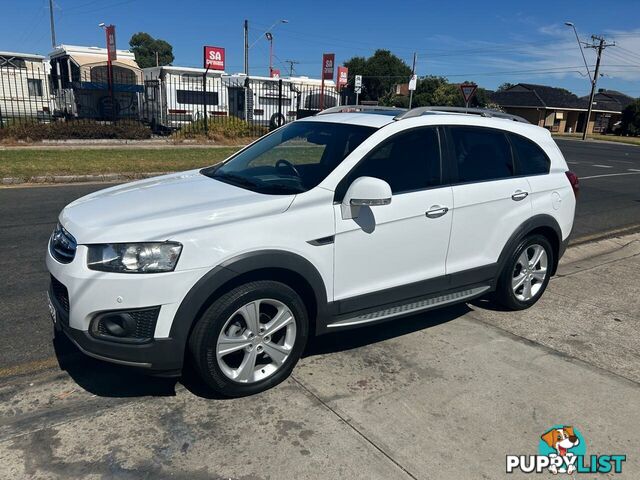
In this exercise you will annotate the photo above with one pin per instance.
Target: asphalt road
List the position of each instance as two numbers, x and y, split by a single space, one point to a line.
609 199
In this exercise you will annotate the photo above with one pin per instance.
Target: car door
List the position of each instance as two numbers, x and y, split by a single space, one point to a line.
489 201
387 252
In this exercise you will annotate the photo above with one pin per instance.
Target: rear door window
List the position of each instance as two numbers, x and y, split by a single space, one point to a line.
530 158
481 154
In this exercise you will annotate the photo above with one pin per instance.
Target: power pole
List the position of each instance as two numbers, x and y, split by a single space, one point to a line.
413 72
600 46
246 47
291 64
53 26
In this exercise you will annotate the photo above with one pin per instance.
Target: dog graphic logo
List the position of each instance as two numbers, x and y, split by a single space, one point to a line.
562 440
563 450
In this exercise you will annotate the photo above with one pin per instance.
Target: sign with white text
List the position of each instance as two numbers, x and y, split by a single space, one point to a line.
214 58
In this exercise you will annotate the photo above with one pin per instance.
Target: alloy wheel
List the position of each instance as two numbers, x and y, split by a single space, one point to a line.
530 272
256 340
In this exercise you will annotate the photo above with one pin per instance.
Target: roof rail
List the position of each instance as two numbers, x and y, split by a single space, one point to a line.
359 108
419 111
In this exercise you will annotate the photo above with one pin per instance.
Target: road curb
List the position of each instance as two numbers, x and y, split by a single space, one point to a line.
97 178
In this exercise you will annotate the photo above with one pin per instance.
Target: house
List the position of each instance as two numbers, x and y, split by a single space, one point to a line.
558 109
611 103
24 87
80 82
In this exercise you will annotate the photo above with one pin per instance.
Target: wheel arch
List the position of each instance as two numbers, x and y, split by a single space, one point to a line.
544 225
289 268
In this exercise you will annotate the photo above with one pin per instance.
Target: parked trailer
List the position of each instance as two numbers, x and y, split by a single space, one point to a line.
80 82
260 100
24 87
173 96
311 96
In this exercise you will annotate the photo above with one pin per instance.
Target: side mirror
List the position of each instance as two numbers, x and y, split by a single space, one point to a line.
365 192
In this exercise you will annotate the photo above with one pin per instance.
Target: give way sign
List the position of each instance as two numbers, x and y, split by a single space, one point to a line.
468 91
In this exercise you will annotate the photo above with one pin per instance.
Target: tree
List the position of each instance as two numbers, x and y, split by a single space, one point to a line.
505 86
437 91
145 48
631 118
380 73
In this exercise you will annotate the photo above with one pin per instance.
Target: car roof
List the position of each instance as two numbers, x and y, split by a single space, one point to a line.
379 119
367 119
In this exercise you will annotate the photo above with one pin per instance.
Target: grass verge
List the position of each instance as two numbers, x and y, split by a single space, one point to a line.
30 163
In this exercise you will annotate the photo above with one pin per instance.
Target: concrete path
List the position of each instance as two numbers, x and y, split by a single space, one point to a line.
443 395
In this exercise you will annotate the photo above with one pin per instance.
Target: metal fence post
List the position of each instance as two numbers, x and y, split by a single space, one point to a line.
280 117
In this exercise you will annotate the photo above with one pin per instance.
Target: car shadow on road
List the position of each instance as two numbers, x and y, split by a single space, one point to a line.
105 379
108 380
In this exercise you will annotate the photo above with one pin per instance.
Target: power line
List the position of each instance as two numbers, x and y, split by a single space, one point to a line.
291 64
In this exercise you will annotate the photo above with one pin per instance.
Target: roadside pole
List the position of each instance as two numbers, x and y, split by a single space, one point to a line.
358 87
600 47
246 47
204 101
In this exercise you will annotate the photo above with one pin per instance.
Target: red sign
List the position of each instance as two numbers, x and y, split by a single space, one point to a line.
328 60
111 43
343 77
214 58
468 91
275 73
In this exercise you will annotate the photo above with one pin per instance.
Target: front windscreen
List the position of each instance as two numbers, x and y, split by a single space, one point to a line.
293 159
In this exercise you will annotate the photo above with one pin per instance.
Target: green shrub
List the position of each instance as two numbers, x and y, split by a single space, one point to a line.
221 127
74 129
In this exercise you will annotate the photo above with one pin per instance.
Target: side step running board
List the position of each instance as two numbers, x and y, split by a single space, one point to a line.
409 308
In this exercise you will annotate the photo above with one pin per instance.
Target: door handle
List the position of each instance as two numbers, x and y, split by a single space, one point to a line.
519 195
436 211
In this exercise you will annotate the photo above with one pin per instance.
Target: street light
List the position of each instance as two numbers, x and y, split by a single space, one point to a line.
572 25
592 80
268 30
269 36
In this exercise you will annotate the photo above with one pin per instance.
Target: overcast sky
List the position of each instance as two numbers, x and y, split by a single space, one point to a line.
489 42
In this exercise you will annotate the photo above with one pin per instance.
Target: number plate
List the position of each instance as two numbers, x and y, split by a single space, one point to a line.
52 310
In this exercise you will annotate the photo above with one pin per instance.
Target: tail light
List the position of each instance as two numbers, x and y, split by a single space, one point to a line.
575 183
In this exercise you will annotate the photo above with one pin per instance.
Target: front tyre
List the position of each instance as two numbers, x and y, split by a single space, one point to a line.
526 273
250 338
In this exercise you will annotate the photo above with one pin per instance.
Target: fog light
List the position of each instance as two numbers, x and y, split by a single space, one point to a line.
117 324
125 326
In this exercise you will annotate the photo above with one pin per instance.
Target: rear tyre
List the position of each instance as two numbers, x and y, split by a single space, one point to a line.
249 339
526 273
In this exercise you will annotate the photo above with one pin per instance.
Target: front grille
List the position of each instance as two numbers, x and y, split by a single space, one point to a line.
145 323
60 293
62 245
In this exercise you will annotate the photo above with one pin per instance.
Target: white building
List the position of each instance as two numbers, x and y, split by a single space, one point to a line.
24 87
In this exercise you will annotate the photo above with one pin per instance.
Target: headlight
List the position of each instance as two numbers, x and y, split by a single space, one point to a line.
153 257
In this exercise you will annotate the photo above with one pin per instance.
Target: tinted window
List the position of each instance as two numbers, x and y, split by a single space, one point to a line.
194 97
481 154
530 158
408 161
293 159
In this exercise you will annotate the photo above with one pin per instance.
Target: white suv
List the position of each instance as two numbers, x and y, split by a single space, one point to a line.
335 221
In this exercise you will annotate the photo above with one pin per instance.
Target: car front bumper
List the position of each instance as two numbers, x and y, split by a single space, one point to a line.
87 293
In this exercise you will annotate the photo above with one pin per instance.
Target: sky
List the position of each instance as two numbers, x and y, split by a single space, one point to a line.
489 42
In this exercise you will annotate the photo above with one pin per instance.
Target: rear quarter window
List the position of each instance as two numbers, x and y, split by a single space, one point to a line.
530 159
